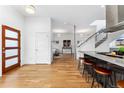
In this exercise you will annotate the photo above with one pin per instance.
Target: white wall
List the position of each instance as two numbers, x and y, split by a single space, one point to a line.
33 25
89 45
14 19
100 24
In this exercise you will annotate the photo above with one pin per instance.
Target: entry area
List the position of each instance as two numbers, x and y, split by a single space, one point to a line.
62 73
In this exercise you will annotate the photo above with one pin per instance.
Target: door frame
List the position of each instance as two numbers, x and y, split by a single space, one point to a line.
4 58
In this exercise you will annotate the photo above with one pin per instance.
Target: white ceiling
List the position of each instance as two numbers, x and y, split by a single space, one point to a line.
81 15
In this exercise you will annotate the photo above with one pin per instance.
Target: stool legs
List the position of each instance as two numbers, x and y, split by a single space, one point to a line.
93 79
111 80
79 64
85 72
105 82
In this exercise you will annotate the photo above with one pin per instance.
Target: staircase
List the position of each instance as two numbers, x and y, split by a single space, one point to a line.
102 35
99 36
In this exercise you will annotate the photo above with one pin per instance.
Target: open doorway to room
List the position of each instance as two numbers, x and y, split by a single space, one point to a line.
63 41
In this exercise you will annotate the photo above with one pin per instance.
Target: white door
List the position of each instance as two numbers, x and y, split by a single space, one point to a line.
42 48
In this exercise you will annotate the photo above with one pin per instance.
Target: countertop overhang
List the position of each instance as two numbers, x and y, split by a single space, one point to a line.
113 60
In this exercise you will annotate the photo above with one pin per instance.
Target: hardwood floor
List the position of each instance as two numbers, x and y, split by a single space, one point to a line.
62 73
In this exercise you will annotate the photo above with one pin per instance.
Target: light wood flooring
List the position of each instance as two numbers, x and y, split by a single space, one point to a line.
62 73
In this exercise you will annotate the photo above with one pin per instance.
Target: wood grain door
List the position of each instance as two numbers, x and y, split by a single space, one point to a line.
10 48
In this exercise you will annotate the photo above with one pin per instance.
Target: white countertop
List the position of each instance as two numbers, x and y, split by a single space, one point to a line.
113 60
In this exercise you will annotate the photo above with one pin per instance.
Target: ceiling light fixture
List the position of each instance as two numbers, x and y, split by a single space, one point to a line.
58 35
81 34
59 31
30 9
102 6
83 31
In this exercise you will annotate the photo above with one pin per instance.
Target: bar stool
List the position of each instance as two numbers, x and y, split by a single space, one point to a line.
120 84
105 73
88 67
117 74
80 62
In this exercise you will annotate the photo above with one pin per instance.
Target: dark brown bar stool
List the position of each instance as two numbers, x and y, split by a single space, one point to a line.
105 76
88 67
120 84
81 59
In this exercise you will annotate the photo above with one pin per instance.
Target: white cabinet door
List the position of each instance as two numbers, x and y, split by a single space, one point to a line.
42 48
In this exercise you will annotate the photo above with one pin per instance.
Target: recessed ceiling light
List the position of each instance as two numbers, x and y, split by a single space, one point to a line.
83 31
30 9
102 6
58 35
59 31
81 34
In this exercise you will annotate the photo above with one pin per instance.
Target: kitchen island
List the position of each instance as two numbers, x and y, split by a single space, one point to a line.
109 59
115 64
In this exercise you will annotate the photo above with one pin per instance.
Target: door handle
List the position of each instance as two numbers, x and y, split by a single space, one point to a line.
3 50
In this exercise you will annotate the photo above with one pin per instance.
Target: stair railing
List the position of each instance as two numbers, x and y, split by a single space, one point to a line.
100 38
96 35
102 35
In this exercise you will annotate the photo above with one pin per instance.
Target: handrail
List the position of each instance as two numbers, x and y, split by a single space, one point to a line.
102 30
114 28
99 35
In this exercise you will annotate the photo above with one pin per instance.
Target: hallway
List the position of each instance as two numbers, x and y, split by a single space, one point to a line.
62 73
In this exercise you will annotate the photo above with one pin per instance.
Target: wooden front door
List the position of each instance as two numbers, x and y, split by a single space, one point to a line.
10 48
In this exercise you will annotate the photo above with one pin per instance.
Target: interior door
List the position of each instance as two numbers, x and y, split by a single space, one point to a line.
41 48
10 48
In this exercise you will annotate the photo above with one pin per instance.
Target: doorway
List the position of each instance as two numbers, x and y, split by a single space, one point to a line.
10 48
63 44
41 47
